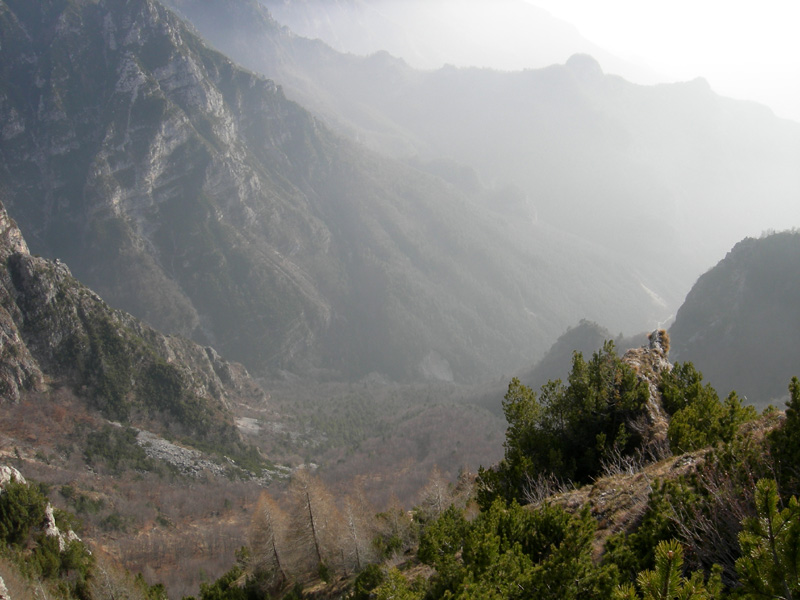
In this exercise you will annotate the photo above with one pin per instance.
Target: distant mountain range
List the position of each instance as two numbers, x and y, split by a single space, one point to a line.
500 34
193 194
619 164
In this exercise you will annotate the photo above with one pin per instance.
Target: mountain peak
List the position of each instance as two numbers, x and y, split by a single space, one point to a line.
585 66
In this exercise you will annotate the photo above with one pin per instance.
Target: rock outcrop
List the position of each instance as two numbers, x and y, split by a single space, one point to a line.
49 526
650 362
54 329
19 371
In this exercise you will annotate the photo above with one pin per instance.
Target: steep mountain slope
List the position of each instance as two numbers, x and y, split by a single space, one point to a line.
56 332
191 193
616 163
740 323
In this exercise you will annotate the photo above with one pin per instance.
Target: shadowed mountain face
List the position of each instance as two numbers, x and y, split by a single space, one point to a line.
191 193
672 175
740 323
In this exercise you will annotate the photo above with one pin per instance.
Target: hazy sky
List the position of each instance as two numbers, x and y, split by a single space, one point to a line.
745 49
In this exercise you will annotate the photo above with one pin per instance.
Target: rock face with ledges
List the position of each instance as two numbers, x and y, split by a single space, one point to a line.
19 371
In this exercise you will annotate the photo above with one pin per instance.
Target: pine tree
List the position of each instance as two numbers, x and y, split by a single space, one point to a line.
770 563
785 443
666 581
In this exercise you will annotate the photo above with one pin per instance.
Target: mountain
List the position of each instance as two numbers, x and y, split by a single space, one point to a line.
58 333
642 170
507 34
191 193
739 323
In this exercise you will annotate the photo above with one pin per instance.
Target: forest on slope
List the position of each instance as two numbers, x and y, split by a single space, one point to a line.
683 495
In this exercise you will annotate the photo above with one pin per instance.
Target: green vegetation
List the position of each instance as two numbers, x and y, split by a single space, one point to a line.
116 448
785 443
769 566
65 564
21 509
569 430
722 529
698 418
667 581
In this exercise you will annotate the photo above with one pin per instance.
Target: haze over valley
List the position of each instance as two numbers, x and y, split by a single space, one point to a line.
255 251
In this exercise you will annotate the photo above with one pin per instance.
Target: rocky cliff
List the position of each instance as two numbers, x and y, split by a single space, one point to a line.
58 332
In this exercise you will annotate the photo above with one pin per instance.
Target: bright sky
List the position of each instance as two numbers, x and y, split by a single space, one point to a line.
745 49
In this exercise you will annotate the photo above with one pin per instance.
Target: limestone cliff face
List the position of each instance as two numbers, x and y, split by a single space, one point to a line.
120 126
57 330
19 371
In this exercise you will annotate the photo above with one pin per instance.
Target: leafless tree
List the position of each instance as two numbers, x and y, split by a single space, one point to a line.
267 533
435 497
111 582
710 531
313 534
360 529
395 526
539 488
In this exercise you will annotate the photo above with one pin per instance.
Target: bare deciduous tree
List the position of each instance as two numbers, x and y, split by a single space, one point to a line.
360 529
435 497
266 538
313 534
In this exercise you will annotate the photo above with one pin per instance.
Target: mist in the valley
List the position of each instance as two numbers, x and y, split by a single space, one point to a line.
744 53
